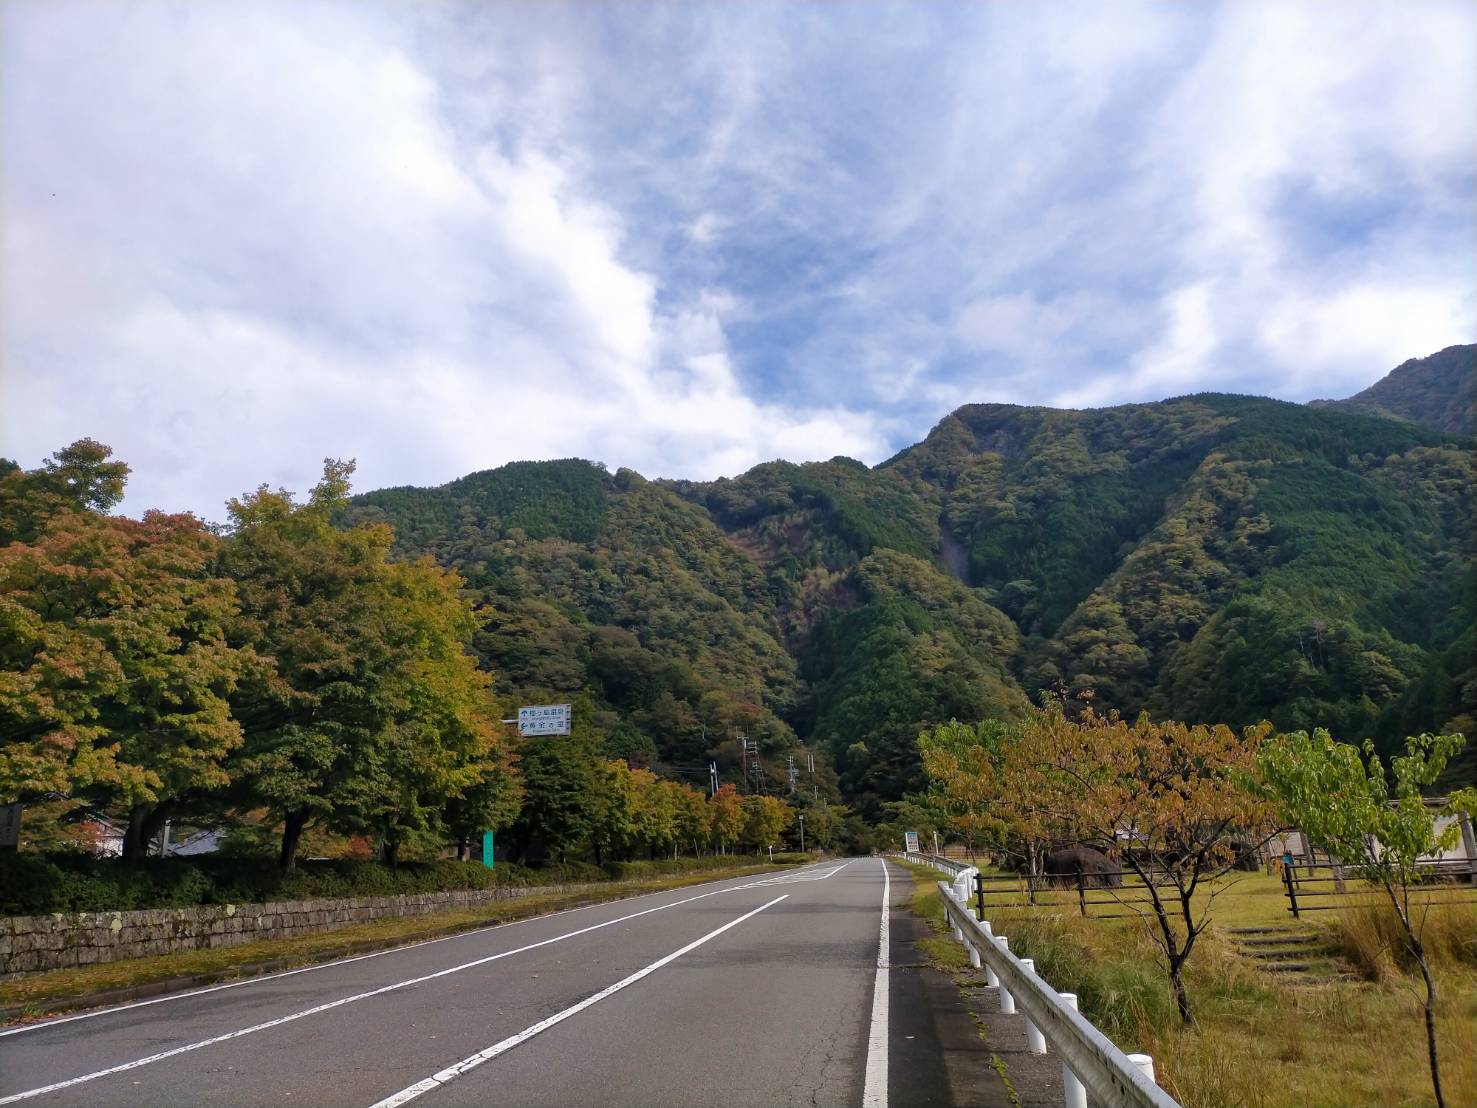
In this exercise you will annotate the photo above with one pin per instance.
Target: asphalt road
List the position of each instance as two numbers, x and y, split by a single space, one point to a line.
741 992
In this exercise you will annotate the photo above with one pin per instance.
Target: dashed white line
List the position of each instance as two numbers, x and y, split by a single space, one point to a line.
471 1062
874 1090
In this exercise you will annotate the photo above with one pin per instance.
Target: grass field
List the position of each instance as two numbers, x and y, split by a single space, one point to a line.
1352 1040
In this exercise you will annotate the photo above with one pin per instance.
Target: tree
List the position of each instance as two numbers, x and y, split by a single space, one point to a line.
563 784
725 816
766 818
1168 799
690 821
117 664
79 478
970 768
372 715
1344 803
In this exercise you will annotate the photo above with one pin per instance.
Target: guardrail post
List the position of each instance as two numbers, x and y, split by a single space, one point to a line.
1035 1041
974 955
1076 1092
1007 1002
1145 1065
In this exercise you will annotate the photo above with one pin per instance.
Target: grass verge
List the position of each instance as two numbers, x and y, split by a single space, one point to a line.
58 990
1260 1042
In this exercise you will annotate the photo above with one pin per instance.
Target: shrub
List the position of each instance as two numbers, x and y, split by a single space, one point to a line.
33 884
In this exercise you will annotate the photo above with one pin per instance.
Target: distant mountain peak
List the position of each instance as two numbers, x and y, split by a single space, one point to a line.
1439 391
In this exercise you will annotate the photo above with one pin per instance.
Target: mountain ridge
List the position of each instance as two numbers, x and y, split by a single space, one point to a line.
1213 556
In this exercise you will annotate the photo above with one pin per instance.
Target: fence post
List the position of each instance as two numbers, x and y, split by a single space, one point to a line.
1007 1002
1292 895
1035 1041
979 893
1081 891
1076 1092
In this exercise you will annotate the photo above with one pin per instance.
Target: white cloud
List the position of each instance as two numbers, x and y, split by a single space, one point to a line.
266 271
237 238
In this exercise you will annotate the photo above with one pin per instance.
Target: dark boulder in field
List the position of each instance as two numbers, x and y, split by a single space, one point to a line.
1100 871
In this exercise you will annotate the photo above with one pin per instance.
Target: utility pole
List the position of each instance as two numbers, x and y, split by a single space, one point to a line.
802 834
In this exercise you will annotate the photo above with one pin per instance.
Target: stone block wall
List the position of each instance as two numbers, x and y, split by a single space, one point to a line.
34 944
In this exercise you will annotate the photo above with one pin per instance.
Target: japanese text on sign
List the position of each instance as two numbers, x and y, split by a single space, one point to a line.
544 719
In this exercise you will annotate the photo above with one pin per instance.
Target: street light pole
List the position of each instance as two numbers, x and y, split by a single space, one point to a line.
802 834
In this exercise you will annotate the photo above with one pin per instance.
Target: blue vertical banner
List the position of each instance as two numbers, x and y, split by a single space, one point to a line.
487 859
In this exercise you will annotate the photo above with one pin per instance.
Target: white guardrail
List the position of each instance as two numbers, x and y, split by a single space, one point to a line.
1091 1064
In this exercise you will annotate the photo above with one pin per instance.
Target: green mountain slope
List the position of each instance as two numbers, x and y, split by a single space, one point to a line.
1439 391
1211 557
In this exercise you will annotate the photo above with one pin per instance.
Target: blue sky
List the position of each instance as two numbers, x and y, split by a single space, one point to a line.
687 238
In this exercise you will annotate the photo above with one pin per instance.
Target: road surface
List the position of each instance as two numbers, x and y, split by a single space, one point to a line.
767 991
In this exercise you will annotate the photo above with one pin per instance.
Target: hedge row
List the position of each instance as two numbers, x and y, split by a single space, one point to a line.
33 884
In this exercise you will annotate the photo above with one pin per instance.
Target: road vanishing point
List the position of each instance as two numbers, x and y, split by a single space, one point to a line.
753 991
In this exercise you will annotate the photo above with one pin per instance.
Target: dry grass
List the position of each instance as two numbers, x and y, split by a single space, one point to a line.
1261 1043
43 992
1371 937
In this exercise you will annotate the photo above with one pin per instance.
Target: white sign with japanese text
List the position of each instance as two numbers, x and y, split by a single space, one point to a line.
544 719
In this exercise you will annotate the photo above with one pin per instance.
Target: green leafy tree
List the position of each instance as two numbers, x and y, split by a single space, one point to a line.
766 818
1379 825
372 716
117 665
564 792
78 478
725 816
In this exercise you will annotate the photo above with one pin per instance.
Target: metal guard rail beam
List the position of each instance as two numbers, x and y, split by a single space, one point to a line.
1112 1079
947 865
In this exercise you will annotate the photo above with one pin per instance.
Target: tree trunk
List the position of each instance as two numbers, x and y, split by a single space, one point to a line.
135 840
292 833
390 852
1420 955
144 821
1181 997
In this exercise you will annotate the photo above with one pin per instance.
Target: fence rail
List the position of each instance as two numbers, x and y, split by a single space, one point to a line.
1091 1063
1330 886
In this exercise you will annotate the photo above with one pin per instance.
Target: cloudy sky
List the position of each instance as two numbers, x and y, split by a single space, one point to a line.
687 238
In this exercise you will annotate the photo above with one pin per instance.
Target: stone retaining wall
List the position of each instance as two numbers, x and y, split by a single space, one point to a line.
33 944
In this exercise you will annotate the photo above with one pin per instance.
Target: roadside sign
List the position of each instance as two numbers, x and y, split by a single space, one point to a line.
487 850
544 719
910 841
10 825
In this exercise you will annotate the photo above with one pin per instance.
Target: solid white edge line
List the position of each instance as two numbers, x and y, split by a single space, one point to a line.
329 1005
874 1091
42 1024
471 1062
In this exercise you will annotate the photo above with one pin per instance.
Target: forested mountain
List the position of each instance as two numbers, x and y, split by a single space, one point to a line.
1439 391
1213 557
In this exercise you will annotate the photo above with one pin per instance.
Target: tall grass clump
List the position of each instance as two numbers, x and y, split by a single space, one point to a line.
1372 938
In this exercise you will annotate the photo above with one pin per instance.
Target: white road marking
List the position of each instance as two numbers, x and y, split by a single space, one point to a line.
471 1062
329 1005
874 1091
795 878
40 1025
